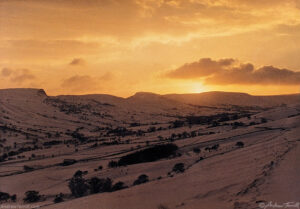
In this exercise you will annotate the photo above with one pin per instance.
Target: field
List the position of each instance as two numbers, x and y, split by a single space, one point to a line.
212 150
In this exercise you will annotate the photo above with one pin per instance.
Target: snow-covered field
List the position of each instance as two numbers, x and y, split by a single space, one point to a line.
237 154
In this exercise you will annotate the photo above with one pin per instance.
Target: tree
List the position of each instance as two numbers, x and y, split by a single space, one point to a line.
97 185
239 144
32 196
141 179
78 186
178 168
118 186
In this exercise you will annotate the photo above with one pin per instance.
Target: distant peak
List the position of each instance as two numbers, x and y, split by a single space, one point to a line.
41 92
144 94
24 91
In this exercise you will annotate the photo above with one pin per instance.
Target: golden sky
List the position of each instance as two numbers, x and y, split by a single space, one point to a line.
121 47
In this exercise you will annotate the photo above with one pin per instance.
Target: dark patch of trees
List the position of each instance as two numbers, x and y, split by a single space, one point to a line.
78 186
149 154
97 185
32 196
4 197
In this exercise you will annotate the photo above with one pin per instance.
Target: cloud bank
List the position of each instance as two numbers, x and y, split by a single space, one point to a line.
18 76
230 71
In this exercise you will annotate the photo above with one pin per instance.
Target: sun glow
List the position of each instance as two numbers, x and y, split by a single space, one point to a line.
198 88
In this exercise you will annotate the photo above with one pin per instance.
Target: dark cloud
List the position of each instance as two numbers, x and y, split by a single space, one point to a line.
77 61
229 71
203 67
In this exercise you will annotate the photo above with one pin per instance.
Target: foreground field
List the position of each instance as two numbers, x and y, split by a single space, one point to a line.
227 156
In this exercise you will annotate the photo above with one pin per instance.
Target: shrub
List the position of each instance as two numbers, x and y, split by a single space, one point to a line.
149 154
4 196
178 168
27 168
161 206
263 120
78 173
197 150
68 162
177 124
113 164
215 147
78 186
141 180
239 144
97 185
32 196
58 198
118 186
13 198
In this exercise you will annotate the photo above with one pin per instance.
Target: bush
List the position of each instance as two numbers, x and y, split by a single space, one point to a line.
113 164
32 196
263 120
141 180
178 168
27 168
161 206
149 154
13 198
78 186
58 198
78 173
4 196
197 150
97 185
118 186
68 162
239 144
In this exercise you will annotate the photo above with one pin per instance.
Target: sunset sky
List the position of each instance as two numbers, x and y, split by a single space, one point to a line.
121 47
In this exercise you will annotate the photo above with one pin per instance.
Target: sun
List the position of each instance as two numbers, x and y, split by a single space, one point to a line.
197 87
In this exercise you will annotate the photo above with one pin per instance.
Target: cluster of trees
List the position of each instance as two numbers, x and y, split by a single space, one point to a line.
80 187
4 197
149 154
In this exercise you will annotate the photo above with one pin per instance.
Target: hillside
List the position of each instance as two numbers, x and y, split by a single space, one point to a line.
222 155
228 98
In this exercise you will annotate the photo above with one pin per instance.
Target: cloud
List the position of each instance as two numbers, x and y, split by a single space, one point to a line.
18 75
81 84
203 67
77 61
5 72
231 72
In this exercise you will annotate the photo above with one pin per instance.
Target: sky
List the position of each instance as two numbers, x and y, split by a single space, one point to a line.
121 47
